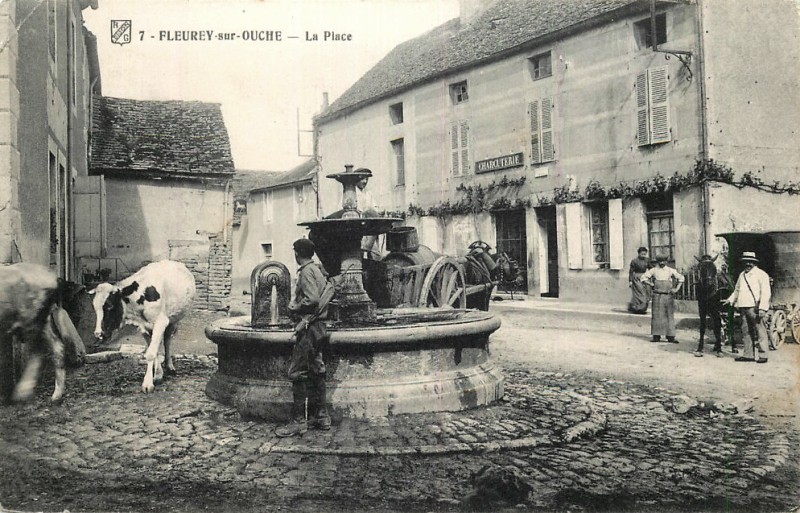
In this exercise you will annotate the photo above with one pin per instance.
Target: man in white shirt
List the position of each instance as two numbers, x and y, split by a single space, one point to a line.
751 296
666 282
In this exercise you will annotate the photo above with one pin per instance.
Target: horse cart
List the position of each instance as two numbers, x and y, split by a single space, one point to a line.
412 275
779 257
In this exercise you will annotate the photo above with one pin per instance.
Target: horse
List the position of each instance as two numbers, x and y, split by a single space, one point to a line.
484 268
710 287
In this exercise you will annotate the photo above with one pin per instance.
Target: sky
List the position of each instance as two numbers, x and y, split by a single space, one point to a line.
260 84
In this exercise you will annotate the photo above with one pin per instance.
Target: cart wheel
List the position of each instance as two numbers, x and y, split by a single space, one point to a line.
795 325
777 329
444 285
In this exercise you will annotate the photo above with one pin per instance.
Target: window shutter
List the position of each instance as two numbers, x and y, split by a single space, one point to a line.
658 82
574 213
454 148
615 253
465 167
642 128
548 154
536 154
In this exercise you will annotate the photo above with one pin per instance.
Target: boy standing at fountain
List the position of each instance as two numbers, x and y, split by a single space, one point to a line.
306 368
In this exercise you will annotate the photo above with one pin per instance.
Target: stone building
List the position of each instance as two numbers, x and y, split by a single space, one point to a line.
165 170
48 70
269 227
557 131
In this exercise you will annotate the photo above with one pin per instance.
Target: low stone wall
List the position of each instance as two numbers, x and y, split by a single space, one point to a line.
210 263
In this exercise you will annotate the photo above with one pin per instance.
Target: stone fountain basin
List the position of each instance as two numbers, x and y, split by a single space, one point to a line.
405 361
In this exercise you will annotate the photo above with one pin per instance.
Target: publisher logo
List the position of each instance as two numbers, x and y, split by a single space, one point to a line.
121 31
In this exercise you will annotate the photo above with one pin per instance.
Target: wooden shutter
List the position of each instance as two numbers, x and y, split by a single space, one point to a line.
616 256
465 167
89 202
574 213
454 153
658 82
536 152
548 154
642 114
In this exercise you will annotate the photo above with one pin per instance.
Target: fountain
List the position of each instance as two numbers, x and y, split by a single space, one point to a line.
380 361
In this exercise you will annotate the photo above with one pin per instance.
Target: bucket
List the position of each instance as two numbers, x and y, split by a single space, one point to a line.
402 238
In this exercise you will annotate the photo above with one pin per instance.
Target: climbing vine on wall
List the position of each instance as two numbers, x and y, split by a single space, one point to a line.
703 171
477 198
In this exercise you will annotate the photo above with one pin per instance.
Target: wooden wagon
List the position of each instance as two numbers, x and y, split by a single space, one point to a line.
779 257
412 275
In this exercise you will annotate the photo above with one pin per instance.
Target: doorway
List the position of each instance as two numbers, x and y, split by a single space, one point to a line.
511 239
548 252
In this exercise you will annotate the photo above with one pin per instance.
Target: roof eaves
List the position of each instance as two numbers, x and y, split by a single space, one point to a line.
308 178
587 24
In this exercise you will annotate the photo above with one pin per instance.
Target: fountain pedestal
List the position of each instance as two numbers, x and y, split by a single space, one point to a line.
422 360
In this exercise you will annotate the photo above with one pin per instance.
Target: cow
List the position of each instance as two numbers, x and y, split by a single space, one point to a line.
154 299
30 310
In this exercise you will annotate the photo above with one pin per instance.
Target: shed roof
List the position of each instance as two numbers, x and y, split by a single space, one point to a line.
179 139
304 172
505 27
246 180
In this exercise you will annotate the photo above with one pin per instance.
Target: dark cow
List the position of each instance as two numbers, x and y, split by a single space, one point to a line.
30 310
154 299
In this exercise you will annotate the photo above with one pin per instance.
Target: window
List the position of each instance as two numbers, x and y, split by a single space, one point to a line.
398 147
541 114
642 32
660 226
266 207
458 92
661 235
459 148
299 201
396 113
541 66
266 247
598 219
652 107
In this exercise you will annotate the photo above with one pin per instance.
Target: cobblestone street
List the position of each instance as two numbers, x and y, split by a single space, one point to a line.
581 442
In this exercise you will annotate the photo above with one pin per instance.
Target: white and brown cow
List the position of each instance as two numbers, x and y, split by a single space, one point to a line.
30 310
154 299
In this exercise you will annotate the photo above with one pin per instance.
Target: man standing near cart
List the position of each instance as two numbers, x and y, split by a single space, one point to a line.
666 282
752 296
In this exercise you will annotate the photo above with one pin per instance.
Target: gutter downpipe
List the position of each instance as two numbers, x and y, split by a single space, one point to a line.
704 149
225 208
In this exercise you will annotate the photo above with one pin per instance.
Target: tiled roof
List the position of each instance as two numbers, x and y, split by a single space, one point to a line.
504 27
246 180
302 173
159 138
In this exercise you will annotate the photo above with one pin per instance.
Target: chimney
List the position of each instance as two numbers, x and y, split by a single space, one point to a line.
324 101
469 9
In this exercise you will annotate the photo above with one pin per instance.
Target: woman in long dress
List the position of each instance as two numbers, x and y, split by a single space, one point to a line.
640 293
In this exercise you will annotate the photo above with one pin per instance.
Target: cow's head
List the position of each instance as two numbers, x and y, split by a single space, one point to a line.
107 300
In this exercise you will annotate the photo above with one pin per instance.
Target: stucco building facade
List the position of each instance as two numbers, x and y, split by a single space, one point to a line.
48 69
555 131
164 171
269 224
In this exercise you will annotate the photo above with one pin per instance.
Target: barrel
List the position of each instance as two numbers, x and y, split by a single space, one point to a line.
402 238
397 280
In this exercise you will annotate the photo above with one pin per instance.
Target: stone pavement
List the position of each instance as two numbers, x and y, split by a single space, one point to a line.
582 443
